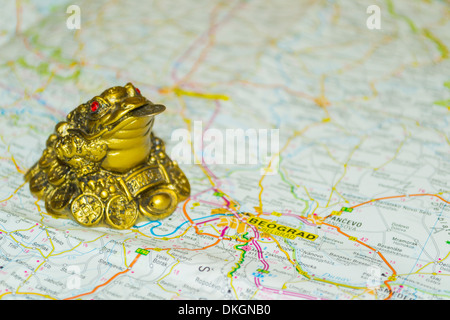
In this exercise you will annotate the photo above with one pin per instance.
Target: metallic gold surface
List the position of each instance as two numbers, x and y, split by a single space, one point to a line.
103 163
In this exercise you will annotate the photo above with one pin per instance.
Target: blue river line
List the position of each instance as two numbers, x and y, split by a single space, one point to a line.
159 223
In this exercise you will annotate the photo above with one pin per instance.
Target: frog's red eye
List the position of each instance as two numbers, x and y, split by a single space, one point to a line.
138 91
94 106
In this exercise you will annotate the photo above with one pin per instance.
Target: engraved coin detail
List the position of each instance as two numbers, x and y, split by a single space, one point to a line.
38 182
87 209
60 198
180 182
46 159
121 213
58 174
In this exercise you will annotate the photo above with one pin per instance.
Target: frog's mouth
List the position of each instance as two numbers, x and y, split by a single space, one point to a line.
126 116
138 114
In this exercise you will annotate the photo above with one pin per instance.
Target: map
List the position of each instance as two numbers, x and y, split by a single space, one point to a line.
353 204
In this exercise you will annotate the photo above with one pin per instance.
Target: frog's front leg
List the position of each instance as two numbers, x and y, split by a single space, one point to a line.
82 155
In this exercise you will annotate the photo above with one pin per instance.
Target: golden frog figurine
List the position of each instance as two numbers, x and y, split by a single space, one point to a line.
104 163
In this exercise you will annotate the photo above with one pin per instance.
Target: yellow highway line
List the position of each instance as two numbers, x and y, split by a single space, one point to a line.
213 96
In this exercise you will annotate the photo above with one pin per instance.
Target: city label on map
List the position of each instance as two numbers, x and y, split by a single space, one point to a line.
280 230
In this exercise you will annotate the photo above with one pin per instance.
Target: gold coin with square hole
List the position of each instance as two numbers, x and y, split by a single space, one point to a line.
87 209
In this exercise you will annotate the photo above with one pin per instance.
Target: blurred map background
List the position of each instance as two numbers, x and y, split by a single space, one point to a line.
363 118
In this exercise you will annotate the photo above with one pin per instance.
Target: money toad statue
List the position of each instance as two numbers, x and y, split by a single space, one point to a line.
103 163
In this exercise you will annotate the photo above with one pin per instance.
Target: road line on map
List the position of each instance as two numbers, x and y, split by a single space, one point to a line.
362 243
378 199
400 196
199 40
18 17
426 241
260 254
337 284
439 44
397 151
279 86
241 259
27 229
15 191
305 274
296 134
170 271
212 28
192 222
394 273
51 254
391 10
345 169
39 266
210 96
108 281
24 246
292 186
283 292
294 264
28 293
17 166
431 262
238 264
